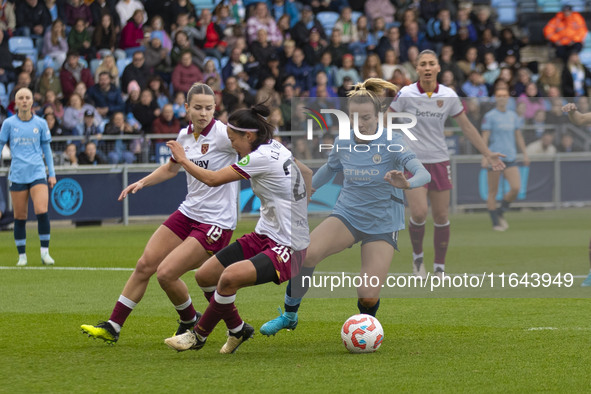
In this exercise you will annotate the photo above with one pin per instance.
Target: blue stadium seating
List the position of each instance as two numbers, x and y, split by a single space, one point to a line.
122 63
203 4
327 19
355 15
94 63
24 46
507 13
216 62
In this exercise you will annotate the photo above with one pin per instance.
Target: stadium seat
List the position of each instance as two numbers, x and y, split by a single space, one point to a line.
94 63
507 14
224 61
10 87
203 4
4 100
17 43
2 88
122 63
585 57
355 15
327 19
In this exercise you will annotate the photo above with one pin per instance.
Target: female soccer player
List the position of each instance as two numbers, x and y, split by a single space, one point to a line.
579 119
370 207
29 138
501 127
277 247
202 225
432 104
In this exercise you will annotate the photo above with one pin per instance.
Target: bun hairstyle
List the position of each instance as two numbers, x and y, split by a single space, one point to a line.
252 120
373 90
199 88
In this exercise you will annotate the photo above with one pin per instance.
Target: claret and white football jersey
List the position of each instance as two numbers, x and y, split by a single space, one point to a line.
431 113
277 181
211 150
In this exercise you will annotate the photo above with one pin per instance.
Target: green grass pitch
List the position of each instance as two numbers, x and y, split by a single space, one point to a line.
449 342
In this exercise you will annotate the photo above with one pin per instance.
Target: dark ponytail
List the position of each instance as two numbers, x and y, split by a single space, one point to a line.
253 118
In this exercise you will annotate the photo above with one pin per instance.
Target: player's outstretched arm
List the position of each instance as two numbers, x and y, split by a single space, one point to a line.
494 158
420 176
159 175
210 178
307 173
575 116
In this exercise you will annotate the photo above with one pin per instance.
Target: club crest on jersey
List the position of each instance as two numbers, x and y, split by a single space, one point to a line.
377 158
204 148
440 103
35 130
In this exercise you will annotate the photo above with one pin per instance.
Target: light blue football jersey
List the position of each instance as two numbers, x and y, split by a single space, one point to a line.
25 140
502 127
366 200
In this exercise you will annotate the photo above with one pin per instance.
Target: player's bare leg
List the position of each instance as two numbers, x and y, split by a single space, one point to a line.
419 208
376 258
512 176
40 197
187 256
440 211
162 242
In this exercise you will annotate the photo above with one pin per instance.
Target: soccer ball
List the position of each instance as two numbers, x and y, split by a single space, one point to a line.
362 334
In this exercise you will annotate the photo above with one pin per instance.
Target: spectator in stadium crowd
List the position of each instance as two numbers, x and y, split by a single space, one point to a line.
337 48
322 84
118 151
301 30
90 156
126 9
475 86
178 106
99 8
32 18
48 81
74 112
390 41
432 129
146 111
447 79
576 78
234 97
202 225
157 57
533 101
166 123
302 72
132 36
501 131
212 42
137 71
410 65
441 30
470 62
7 18
181 45
488 43
462 43
261 48
567 144
549 78
55 44
366 42
523 78
389 64
463 21
104 38
483 20
185 73
254 258
89 129
261 19
56 105
80 40
7 73
414 37
566 31
491 69
182 7
346 25
27 174
278 8
283 25
384 9
157 26
28 67
159 89
543 146
77 9
313 49
510 45
108 65
72 72
372 64
69 157
106 96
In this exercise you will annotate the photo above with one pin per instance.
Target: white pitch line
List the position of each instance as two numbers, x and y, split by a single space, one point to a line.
315 272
